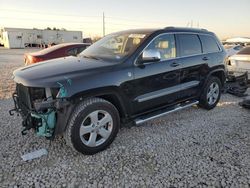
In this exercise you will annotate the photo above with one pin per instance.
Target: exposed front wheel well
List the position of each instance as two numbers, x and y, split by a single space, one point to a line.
113 99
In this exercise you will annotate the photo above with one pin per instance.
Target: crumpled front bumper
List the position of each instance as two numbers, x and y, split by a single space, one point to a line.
48 118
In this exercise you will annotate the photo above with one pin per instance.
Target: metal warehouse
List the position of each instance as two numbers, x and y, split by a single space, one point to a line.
21 38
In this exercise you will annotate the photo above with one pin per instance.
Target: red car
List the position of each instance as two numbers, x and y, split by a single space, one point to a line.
60 50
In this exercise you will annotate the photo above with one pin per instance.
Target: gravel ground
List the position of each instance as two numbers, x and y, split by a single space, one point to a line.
9 61
190 148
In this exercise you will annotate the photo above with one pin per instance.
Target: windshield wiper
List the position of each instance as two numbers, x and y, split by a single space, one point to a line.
91 57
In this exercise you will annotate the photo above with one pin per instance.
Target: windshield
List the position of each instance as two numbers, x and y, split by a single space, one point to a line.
114 47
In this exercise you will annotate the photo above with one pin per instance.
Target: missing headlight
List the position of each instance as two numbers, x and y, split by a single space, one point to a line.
37 94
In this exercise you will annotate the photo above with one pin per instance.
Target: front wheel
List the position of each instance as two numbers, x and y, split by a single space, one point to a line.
93 126
211 93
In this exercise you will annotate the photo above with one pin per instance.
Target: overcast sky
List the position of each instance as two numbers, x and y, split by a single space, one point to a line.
225 17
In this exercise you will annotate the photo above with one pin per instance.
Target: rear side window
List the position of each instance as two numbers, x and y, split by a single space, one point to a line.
209 44
72 51
189 44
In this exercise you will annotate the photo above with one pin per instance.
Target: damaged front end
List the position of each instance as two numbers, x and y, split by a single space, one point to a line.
42 109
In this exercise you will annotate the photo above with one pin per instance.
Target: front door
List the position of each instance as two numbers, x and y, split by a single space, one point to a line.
156 84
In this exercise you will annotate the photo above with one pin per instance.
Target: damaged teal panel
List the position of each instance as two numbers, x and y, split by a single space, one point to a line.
47 123
63 91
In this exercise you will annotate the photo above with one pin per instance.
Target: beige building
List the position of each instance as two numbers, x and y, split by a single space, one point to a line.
20 38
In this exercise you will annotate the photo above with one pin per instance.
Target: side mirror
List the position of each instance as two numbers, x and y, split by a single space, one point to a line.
150 56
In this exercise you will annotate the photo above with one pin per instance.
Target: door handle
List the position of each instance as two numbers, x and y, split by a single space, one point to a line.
174 64
205 58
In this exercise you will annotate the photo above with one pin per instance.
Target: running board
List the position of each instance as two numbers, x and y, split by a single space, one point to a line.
160 113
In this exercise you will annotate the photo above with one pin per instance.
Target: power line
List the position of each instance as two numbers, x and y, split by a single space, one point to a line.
78 15
45 13
110 21
43 20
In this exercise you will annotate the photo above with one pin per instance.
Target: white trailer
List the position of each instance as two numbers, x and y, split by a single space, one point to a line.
20 38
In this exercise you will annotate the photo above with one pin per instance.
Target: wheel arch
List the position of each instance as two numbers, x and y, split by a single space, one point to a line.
220 73
111 94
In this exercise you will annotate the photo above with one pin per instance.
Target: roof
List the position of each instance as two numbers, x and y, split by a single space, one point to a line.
169 29
60 46
186 29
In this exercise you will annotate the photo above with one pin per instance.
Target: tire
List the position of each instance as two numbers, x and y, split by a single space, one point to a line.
93 126
211 93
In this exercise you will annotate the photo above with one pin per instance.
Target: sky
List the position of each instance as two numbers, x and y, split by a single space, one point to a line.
227 18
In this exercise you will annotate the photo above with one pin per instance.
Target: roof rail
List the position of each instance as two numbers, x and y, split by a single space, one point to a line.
204 29
170 27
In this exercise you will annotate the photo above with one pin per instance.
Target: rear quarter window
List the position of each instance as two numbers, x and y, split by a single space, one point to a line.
209 44
189 44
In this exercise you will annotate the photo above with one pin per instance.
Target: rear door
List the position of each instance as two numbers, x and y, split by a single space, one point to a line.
194 64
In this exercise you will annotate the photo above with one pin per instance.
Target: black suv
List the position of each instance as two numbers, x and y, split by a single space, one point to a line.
128 76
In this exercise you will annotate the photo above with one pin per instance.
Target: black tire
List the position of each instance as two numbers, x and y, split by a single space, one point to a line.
204 102
78 117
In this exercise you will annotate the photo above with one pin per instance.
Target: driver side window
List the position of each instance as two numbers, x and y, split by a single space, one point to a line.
165 45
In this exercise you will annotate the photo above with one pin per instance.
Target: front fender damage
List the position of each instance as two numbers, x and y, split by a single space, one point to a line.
46 115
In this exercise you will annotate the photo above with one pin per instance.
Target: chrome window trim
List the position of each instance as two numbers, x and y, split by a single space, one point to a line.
174 33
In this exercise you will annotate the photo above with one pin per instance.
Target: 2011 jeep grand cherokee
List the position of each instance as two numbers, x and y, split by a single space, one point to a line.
134 75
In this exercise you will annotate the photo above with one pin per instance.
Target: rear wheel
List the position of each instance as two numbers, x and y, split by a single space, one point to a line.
211 93
92 126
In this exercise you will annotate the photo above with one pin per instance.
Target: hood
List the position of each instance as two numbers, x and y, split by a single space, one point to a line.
49 73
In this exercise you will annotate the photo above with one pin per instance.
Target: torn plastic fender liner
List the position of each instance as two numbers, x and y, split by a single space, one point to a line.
46 123
63 91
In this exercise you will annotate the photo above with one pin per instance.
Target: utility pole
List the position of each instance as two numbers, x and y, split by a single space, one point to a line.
103 24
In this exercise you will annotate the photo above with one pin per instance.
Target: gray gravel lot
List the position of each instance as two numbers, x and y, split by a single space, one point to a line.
9 61
190 148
